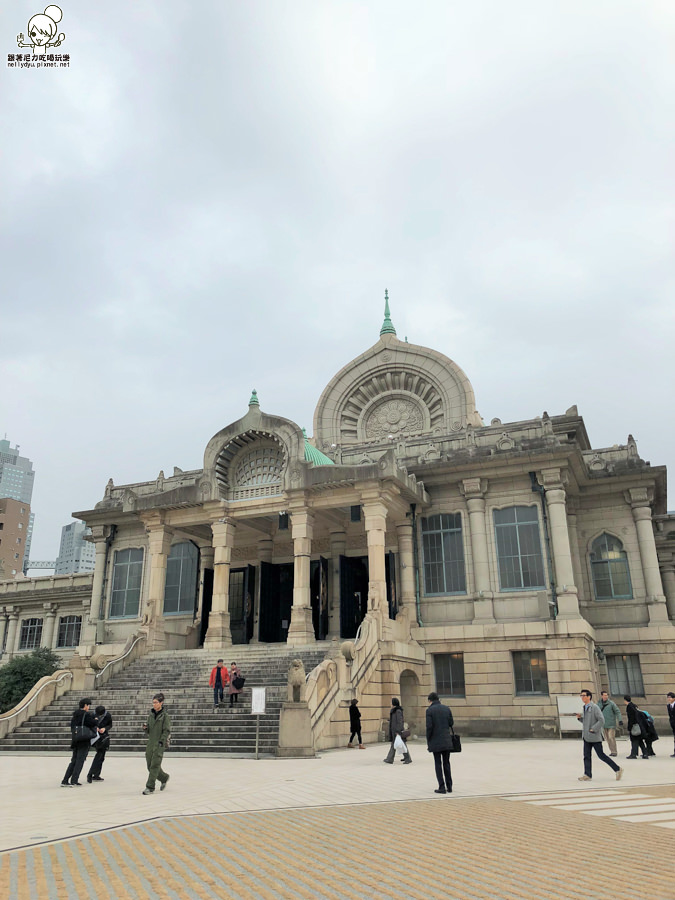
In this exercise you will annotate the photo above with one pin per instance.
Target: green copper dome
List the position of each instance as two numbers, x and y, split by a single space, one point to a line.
314 456
387 327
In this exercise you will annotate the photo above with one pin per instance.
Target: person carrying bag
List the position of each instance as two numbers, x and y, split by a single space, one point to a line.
82 730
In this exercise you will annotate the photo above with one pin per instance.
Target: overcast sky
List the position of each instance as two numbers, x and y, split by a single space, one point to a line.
214 196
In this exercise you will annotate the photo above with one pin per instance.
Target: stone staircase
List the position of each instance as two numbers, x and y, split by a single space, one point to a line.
183 677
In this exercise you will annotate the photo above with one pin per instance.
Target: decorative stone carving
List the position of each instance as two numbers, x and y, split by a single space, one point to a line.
455 426
505 442
394 417
470 437
632 448
244 553
109 489
98 661
597 464
160 480
296 681
430 454
128 501
495 421
347 650
205 490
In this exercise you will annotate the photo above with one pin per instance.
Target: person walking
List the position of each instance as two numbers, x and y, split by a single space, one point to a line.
218 680
670 697
396 726
612 716
103 726
355 725
232 690
593 722
651 734
83 729
439 741
158 728
636 729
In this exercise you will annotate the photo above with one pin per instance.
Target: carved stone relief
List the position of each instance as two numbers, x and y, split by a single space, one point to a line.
395 417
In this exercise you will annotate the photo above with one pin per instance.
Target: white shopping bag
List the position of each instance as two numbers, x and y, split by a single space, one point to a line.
399 744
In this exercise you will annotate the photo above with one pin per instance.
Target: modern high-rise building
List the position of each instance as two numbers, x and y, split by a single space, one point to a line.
76 554
16 474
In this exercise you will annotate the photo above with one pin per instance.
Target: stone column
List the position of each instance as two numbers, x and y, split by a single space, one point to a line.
159 545
474 490
301 630
48 629
407 560
219 634
375 516
338 548
577 565
668 577
205 562
640 500
265 555
568 599
10 647
90 621
4 625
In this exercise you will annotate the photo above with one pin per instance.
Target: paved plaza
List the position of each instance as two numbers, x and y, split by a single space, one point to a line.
518 825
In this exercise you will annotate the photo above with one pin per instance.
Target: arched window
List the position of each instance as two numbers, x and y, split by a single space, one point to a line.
609 564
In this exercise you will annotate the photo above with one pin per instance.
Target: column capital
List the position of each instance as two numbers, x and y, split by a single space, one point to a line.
554 478
50 609
12 611
302 523
473 488
99 533
639 497
223 532
374 508
159 539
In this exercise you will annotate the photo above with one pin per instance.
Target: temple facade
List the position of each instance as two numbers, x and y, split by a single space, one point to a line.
501 564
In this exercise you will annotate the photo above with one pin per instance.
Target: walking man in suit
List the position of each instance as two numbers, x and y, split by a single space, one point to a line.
670 697
593 723
439 741
103 726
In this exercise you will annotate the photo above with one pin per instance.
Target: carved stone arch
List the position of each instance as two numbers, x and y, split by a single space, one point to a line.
251 465
395 388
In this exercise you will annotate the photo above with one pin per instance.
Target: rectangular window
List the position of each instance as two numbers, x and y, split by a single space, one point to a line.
31 634
69 631
449 670
529 670
521 566
182 570
443 552
625 675
126 584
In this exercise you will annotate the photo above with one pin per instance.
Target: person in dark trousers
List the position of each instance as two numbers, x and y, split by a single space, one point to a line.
651 734
396 726
158 728
219 679
103 726
355 725
670 697
439 741
232 690
612 715
79 746
636 729
593 723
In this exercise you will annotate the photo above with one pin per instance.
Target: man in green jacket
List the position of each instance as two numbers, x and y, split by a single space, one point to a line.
158 729
612 716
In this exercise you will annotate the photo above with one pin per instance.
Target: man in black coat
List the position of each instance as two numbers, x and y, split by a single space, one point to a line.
670 697
439 741
79 744
103 726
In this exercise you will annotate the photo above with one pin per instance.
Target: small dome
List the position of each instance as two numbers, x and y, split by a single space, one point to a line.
314 456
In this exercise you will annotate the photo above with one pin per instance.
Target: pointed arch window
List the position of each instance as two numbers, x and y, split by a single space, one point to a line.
609 564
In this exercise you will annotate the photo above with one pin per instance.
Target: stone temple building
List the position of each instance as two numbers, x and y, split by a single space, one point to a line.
501 564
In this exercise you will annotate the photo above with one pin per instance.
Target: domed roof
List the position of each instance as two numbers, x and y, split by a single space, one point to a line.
314 456
393 391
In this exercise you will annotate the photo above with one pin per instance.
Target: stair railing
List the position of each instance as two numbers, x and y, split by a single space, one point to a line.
131 652
44 692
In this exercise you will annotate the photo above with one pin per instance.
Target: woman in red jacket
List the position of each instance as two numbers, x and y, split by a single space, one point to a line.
219 679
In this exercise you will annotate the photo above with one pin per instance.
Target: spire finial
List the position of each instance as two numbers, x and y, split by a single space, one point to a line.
254 399
387 327
304 433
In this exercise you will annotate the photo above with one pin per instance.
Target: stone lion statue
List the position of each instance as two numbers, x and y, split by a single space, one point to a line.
296 681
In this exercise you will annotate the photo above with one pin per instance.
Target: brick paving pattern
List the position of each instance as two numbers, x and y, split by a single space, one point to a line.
443 848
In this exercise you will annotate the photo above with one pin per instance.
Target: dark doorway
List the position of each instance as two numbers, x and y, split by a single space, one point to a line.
319 591
276 601
392 595
207 598
353 593
242 588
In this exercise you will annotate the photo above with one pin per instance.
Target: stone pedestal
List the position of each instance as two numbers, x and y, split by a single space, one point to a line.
295 731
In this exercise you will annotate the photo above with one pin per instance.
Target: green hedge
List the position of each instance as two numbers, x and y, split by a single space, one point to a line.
19 675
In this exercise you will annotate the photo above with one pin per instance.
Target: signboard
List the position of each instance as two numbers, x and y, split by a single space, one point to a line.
567 707
258 701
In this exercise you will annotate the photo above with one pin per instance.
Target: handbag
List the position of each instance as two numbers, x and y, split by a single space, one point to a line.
82 733
455 742
238 682
635 730
405 734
